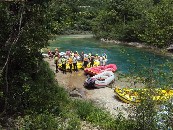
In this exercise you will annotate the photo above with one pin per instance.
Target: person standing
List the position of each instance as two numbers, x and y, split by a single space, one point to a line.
68 53
96 57
82 56
56 58
101 60
70 62
89 56
63 61
50 54
104 58
75 63
92 61
56 52
104 55
104 61
85 62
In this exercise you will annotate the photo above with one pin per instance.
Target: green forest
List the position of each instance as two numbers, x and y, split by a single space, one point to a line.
31 100
148 21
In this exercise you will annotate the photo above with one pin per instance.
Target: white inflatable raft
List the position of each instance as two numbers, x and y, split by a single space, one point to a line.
100 80
45 55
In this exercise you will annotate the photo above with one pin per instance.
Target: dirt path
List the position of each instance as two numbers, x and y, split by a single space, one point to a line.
104 97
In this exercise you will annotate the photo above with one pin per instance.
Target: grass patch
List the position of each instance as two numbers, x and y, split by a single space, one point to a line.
89 112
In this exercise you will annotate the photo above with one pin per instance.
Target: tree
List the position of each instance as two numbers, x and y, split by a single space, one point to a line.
122 19
74 16
24 32
157 25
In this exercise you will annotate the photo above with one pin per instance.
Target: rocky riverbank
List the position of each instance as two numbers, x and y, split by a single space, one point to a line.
139 45
103 97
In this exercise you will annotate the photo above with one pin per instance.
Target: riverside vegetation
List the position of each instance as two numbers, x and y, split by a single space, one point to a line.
30 98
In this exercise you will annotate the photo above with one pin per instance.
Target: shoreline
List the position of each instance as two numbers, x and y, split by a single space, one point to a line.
156 50
162 52
102 97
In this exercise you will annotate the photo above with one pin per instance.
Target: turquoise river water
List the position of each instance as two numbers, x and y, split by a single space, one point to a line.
128 59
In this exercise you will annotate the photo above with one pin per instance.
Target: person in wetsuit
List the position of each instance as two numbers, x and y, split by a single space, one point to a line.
63 61
56 58
85 61
92 61
75 63
70 62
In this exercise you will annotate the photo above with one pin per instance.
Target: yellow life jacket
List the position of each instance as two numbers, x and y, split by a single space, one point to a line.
85 59
56 60
70 60
63 60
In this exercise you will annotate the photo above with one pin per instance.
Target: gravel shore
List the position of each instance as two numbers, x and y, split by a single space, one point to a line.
103 97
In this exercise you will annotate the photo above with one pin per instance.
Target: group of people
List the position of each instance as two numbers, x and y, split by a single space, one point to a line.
72 58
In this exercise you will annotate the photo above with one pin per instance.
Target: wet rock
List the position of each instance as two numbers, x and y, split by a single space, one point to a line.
78 92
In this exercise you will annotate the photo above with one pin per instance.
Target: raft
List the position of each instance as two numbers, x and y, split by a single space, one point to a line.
131 96
100 69
79 65
100 80
45 55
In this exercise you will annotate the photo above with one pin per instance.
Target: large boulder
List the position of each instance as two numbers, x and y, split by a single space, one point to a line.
78 92
170 48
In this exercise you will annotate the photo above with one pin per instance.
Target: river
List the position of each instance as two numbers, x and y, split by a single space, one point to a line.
128 59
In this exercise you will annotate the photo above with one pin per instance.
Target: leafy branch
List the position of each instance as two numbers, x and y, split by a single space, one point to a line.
13 40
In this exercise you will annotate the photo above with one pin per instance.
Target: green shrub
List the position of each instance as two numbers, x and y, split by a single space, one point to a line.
98 116
44 121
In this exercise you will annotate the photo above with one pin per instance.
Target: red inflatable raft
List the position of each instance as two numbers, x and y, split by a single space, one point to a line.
100 69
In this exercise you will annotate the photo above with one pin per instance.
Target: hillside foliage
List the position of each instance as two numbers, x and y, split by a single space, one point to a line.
146 21
30 98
